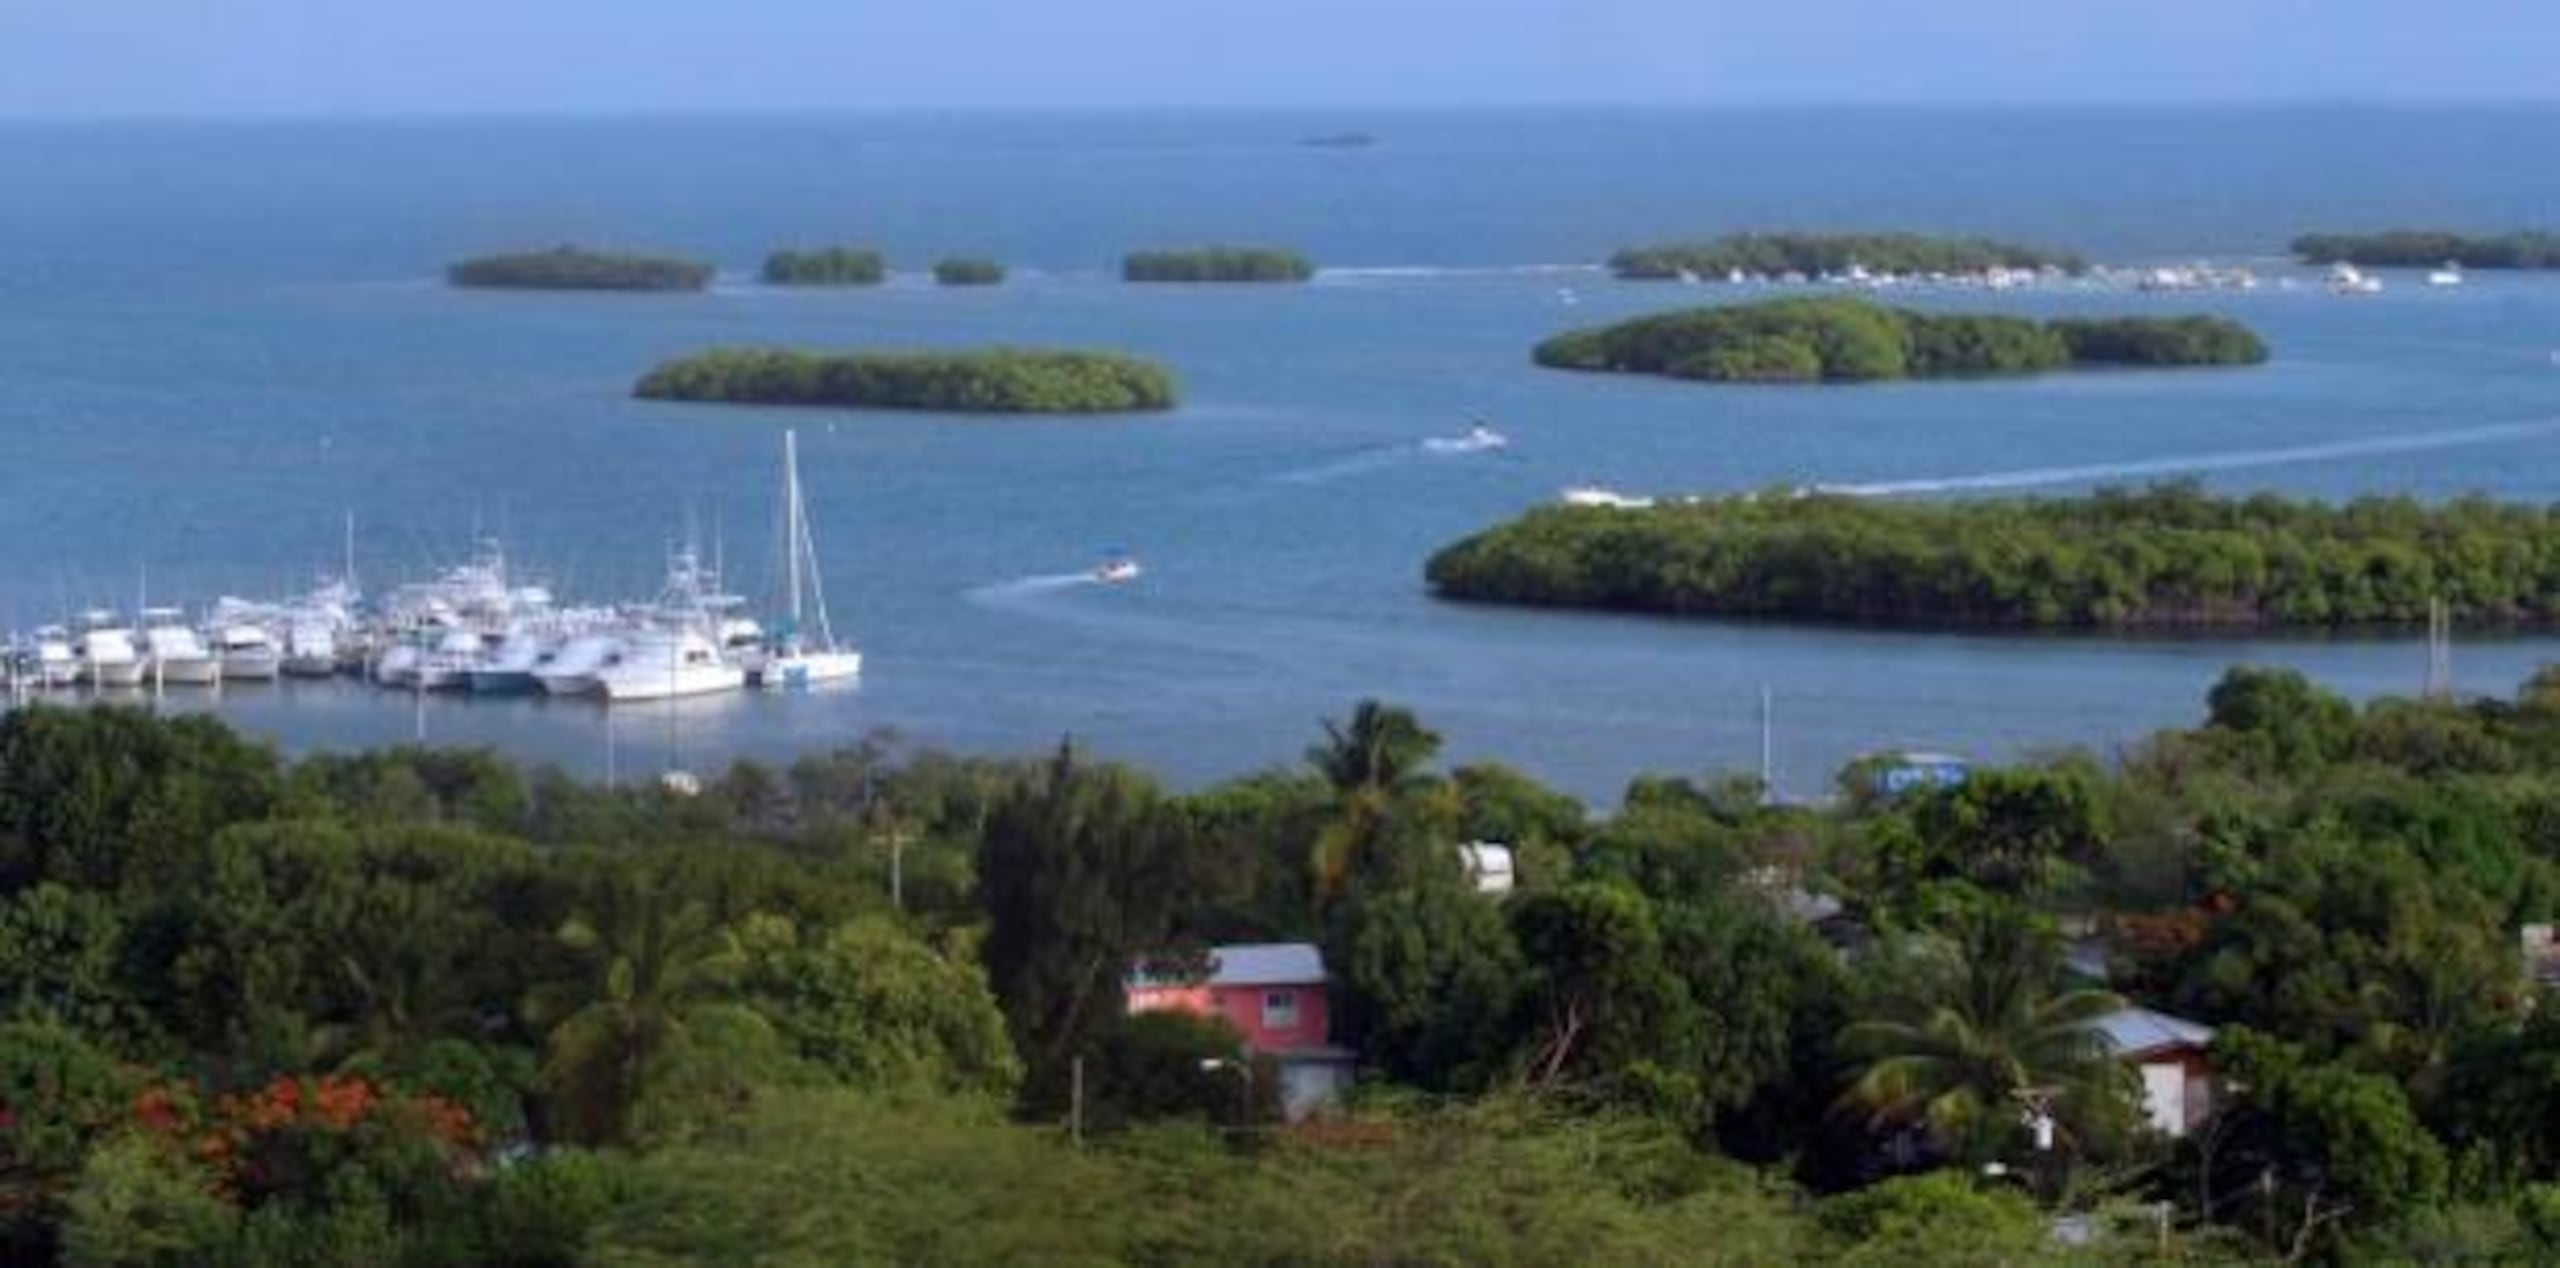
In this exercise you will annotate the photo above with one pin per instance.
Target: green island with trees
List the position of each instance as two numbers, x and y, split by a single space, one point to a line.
825 266
2167 557
2426 249
569 268
1833 339
977 381
425 1007
967 271
1216 264
1766 255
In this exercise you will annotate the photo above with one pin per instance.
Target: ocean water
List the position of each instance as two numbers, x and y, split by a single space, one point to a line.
216 340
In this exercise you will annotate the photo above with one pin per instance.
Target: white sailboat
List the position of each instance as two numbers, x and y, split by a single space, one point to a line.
797 660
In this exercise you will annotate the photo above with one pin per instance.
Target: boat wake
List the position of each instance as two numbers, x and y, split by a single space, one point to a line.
1024 587
2190 464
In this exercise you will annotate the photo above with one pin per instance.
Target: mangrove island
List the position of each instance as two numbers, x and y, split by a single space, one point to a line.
578 269
983 381
1770 255
1217 264
1842 340
827 266
2169 557
964 271
2425 248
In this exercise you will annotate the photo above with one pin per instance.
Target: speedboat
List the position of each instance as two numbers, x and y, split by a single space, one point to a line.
174 652
248 653
1117 570
106 652
1476 439
2347 279
2449 275
666 663
1603 496
573 669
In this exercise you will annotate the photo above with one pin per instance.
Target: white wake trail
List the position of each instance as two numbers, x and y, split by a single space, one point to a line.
2234 460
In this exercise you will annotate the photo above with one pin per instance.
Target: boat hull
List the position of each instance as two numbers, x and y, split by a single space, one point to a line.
116 673
503 682
309 667
187 672
811 669
695 681
251 666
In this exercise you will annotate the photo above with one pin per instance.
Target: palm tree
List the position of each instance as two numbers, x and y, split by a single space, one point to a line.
659 978
1983 1039
1379 755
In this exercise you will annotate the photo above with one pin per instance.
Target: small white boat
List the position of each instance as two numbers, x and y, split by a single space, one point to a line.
106 651
52 662
1118 571
1476 439
174 652
310 649
2449 275
2347 279
663 664
508 668
248 653
1603 496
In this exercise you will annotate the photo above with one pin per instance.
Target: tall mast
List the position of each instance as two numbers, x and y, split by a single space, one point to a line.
349 576
795 527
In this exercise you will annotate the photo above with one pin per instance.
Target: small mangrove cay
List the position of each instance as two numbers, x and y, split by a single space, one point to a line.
967 271
1217 264
569 268
976 381
825 266
1843 340
2168 557
1765 256
2431 248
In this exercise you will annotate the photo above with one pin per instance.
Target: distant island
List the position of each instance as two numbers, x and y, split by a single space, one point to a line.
1774 255
1339 141
828 266
578 269
2426 249
2163 558
1843 340
1217 264
962 271
985 381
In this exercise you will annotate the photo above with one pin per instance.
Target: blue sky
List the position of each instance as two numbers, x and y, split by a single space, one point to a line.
159 57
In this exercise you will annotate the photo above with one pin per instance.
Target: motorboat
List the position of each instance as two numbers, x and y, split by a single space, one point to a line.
661 664
1118 569
51 661
1476 439
572 669
175 653
2449 275
447 666
106 652
805 653
1602 496
248 653
2347 279
508 668
311 647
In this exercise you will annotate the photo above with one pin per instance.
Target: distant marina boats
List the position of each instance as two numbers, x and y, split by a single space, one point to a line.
1601 495
2347 279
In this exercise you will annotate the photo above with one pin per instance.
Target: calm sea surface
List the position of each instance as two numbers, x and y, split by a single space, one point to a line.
216 340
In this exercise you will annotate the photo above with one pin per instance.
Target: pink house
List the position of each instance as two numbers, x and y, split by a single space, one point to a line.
1274 994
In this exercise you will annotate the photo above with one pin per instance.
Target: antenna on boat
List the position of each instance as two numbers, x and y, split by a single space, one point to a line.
350 574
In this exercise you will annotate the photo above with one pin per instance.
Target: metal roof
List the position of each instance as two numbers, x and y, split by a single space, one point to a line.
1266 964
2134 1031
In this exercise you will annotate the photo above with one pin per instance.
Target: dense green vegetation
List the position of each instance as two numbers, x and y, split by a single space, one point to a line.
825 266
2425 249
1815 254
989 381
1217 264
1845 340
2170 556
577 269
966 271
424 1008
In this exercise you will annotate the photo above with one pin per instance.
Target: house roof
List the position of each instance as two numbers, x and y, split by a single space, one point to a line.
2134 1031
1250 964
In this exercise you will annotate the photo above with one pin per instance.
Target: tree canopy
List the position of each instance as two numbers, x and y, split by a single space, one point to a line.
1817 254
987 381
568 268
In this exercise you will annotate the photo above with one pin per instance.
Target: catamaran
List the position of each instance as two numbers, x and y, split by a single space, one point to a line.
796 660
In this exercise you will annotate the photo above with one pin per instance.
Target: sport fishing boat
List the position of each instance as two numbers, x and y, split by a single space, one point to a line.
175 654
805 652
664 663
51 660
248 653
106 651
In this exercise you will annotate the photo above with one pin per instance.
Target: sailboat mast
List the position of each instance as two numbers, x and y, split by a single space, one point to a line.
795 526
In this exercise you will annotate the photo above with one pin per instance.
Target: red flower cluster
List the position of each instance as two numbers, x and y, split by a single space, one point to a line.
240 1136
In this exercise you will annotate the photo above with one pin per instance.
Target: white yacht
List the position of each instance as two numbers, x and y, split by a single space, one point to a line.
664 663
106 651
447 665
2347 279
572 670
52 661
310 647
508 668
174 652
248 653
797 660
2449 275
